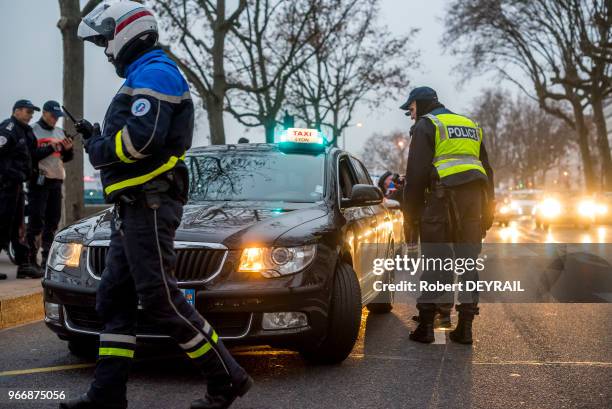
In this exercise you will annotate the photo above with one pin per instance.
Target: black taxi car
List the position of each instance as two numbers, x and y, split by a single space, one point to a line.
275 247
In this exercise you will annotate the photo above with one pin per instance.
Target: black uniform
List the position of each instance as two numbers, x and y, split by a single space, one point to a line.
451 220
148 127
15 168
45 195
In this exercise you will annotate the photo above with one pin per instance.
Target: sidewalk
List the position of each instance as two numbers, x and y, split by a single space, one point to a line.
21 300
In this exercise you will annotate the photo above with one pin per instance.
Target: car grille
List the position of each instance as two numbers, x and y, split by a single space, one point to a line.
192 264
227 325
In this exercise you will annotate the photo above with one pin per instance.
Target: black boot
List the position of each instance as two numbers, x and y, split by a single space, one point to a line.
463 333
29 271
425 331
85 402
225 400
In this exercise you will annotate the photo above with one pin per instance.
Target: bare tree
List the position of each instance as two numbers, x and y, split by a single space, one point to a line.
198 32
537 38
272 42
387 152
359 62
73 75
534 141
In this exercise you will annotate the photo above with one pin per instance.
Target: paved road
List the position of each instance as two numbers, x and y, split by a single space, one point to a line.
524 356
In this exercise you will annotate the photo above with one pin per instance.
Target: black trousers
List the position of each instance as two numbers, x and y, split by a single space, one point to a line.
451 229
139 266
12 202
44 214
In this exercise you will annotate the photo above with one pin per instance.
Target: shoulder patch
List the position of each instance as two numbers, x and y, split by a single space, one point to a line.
141 107
10 126
3 140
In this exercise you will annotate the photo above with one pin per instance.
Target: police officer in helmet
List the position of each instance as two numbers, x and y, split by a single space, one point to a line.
449 196
147 129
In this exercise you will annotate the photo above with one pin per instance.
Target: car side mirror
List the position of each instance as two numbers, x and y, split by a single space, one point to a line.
363 195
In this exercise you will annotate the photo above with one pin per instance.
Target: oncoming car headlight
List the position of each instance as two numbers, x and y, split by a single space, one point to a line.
64 254
273 262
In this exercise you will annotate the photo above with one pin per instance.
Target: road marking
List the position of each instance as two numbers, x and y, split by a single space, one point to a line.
355 356
47 369
439 337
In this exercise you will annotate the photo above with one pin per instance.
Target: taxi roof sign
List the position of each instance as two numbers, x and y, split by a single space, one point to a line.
302 139
302 135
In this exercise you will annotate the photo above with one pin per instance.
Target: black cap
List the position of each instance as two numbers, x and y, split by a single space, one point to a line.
25 103
54 108
420 94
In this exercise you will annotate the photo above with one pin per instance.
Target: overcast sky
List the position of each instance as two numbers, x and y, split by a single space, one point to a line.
32 68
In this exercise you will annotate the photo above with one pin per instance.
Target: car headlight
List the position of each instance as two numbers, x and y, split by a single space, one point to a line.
504 210
64 254
550 208
273 262
587 208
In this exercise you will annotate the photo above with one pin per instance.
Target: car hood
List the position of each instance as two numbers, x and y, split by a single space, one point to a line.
234 225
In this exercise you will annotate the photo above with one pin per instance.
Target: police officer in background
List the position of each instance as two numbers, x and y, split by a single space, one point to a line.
449 193
18 153
14 168
147 129
45 186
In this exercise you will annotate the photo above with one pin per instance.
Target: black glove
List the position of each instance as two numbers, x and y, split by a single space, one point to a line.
86 129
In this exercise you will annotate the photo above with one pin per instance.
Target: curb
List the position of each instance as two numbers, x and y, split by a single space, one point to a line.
21 309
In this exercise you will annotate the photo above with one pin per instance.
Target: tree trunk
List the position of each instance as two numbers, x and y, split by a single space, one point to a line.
73 75
602 140
270 125
585 154
215 120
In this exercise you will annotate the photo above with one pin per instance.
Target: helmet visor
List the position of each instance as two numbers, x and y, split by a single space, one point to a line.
99 22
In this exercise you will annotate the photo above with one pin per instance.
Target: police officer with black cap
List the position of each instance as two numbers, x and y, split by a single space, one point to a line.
449 196
140 152
17 152
45 185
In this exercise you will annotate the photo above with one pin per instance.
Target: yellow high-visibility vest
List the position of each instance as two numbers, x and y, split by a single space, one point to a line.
457 144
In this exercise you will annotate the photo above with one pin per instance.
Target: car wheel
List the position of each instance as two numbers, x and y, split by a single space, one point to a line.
343 322
83 347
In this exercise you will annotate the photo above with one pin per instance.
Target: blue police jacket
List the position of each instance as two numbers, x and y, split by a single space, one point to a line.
147 127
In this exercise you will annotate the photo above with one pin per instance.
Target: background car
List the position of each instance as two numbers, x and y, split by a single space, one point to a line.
569 208
516 204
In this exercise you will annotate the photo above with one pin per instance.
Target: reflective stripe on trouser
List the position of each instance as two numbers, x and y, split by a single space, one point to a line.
136 265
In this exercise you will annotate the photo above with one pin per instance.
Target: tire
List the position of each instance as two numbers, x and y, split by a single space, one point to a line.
83 347
344 320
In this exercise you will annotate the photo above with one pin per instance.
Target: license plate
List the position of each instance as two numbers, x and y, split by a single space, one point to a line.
189 294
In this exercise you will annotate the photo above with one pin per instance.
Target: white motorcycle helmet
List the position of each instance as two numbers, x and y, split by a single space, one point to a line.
124 28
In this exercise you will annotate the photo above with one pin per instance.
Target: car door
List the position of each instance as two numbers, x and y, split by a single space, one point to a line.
361 227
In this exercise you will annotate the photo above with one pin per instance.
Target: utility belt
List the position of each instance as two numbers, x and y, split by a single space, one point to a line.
172 183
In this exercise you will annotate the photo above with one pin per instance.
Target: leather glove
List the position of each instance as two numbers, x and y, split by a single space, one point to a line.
86 129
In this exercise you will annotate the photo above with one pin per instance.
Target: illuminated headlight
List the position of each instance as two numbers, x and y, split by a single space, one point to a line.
587 208
64 254
504 210
602 209
273 262
52 311
283 320
550 208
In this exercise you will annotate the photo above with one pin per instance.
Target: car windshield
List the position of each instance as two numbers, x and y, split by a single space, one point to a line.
257 176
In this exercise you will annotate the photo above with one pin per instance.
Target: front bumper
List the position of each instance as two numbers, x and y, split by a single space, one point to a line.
234 309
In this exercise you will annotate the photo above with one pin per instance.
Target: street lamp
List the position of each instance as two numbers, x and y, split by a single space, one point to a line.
358 125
